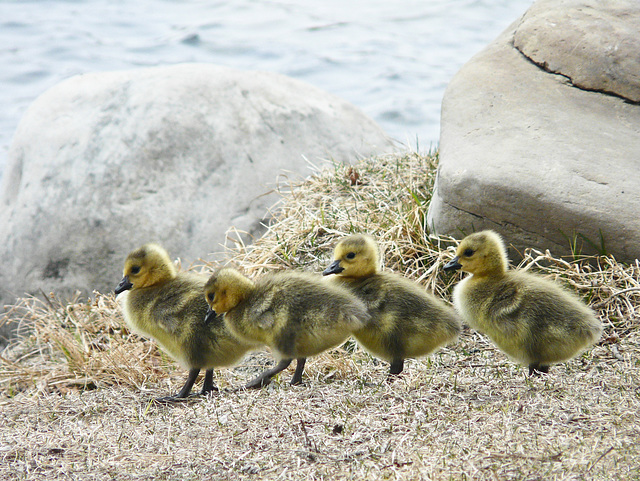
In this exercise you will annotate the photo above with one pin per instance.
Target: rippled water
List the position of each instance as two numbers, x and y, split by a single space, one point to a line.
391 59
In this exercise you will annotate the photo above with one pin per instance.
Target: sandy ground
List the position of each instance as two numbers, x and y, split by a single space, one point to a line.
466 413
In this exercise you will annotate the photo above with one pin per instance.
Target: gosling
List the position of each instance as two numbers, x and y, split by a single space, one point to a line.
296 314
407 322
167 306
531 319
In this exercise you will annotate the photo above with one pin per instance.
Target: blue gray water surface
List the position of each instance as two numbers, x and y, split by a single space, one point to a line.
392 59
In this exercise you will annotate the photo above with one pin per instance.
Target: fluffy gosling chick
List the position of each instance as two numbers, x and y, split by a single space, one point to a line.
531 319
168 306
407 322
294 313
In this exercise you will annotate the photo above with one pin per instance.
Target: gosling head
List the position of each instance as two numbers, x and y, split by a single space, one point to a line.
354 257
146 266
482 253
225 289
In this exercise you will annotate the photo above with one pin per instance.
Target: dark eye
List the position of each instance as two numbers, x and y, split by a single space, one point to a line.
210 296
468 253
135 270
350 255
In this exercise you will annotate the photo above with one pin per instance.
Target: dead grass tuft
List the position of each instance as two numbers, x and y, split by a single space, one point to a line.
70 345
76 385
389 200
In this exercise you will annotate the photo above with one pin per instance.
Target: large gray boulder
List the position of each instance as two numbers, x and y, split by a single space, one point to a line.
104 162
540 133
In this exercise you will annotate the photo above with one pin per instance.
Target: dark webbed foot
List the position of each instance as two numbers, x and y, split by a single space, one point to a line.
296 380
186 389
207 385
265 378
173 399
185 392
535 369
257 383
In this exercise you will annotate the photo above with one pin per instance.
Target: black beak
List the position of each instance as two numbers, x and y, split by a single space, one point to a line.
334 268
452 265
210 317
124 285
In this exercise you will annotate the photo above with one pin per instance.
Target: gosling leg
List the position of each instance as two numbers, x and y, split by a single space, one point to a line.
397 365
186 389
535 369
207 385
297 376
265 378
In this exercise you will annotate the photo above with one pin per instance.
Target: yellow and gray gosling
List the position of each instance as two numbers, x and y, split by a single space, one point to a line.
531 319
407 321
168 306
296 314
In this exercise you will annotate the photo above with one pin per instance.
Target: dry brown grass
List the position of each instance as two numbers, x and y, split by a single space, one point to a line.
77 386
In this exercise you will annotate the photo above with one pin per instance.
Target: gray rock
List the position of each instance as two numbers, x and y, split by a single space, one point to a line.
596 43
538 159
104 162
